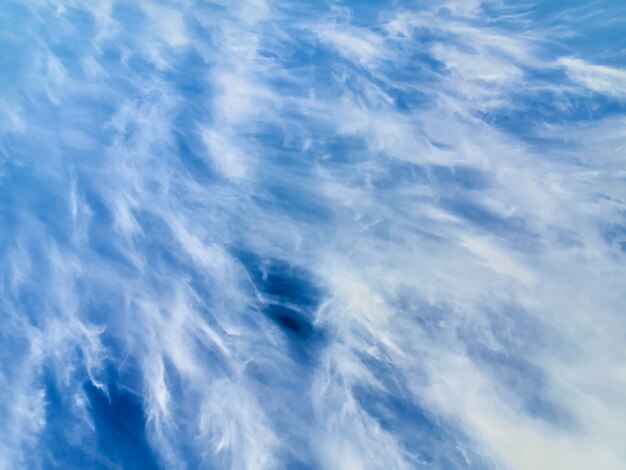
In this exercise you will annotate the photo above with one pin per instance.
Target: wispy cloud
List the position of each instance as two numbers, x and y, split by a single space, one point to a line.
598 78
261 235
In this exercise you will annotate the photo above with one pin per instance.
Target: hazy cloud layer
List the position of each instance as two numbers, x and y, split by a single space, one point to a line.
346 235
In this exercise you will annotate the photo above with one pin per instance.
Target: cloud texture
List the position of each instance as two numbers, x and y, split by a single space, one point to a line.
345 235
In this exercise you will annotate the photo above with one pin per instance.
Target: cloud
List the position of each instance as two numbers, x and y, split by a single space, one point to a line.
265 235
598 78
229 159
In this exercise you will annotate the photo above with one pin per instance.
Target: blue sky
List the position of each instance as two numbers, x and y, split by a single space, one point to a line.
323 234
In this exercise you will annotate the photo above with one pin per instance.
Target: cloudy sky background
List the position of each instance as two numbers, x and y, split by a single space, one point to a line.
312 234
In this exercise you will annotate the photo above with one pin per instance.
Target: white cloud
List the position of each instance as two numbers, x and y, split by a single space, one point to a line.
598 78
436 236
230 160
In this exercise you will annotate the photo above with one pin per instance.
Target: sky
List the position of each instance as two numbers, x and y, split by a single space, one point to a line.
317 234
